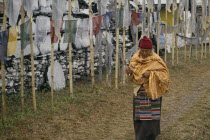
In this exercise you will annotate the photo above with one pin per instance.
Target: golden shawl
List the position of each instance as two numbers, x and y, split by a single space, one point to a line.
158 81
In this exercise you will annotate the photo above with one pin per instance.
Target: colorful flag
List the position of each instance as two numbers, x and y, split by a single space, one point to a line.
41 29
169 5
82 36
106 18
12 43
103 7
141 17
58 8
96 24
120 17
159 5
1 7
70 31
25 33
13 10
28 6
135 18
181 7
3 44
126 14
54 37
175 5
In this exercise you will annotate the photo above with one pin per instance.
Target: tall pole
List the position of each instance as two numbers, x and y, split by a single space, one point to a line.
91 48
173 36
70 56
124 56
3 72
32 66
117 49
185 34
177 50
137 29
166 32
52 65
22 63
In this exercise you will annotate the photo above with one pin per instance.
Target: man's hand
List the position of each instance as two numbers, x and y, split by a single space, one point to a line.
128 71
146 74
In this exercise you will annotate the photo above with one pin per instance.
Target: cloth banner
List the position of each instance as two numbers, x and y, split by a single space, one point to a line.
204 6
126 14
13 10
175 4
103 6
141 17
70 31
159 5
75 6
54 37
3 44
169 5
25 34
1 7
106 18
181 7
120 17
28 6
58 8
82 34
41 30
97 20
135 18
12 43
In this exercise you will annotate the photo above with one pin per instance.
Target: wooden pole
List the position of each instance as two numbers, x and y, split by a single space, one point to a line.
158 37
91 48
173 36
137 29
70 56
22 63
107 53
148 22
177 49
32 66
52 66
124 56
117 50
185 34
166 32
3 72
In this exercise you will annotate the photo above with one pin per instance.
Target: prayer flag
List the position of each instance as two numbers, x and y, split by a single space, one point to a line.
141 17
3 44
25 33
103 7
135 18
1 7
126 14
159 5
70 31
169 5
120 17
96 24
12 43
41 29
13 10
28 6
58 8
54 37
106 18
181 7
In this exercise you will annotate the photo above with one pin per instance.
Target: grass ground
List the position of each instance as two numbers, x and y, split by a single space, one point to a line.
106 113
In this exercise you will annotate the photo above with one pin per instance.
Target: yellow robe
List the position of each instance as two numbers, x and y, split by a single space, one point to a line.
158 81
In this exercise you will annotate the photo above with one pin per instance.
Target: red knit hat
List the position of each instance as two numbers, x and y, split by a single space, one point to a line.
145 43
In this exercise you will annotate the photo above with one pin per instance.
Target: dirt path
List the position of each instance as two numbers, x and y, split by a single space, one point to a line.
107 113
